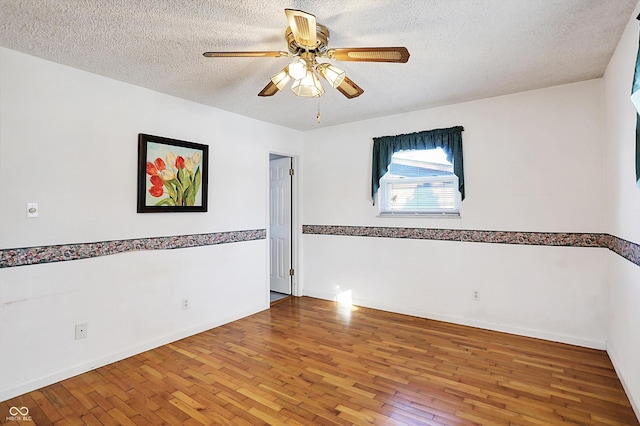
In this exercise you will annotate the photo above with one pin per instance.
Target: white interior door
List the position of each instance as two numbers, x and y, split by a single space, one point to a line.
280 224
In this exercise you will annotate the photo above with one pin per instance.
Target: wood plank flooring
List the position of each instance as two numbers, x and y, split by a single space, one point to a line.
312 362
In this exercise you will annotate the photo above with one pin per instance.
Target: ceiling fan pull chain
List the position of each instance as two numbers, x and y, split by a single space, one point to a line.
318 114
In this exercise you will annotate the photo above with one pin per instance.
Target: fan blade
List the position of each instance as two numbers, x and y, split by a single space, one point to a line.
349 88
303 27
250 54
269 90
370 54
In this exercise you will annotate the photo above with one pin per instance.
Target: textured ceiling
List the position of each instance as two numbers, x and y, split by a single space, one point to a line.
460 49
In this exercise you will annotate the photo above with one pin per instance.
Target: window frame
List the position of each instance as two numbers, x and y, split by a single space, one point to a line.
449 139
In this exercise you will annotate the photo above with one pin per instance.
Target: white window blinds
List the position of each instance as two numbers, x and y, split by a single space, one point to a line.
436 194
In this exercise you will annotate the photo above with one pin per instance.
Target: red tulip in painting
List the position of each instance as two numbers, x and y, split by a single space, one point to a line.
175 176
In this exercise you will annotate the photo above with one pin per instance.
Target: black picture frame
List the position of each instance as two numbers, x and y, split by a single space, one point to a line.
172 175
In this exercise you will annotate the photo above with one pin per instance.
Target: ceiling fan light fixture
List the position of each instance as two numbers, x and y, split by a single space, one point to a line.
282 78
298 69
332 74
308 87
307 41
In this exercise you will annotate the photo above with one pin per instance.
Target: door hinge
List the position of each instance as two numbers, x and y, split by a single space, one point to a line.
292 272
290 172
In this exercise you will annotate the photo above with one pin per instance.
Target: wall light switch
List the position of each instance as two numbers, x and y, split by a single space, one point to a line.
81 331
32 210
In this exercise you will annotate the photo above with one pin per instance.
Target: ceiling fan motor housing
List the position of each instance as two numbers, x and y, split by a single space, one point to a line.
322 41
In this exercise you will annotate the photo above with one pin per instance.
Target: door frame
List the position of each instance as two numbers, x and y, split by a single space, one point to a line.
296 287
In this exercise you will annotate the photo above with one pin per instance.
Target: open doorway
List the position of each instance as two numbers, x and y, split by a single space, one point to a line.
281 270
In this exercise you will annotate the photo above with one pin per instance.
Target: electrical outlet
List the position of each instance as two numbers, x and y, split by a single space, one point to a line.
475 294
81 331
185 304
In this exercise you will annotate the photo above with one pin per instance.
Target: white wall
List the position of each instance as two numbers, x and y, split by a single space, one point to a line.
533 162
68 140
553 293
623 197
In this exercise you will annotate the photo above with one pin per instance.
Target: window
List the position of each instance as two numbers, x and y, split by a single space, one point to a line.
419 182
430 188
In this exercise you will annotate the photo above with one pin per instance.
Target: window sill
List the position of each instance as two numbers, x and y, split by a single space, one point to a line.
422 215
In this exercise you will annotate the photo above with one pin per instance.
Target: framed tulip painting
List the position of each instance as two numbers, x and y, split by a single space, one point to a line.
172 175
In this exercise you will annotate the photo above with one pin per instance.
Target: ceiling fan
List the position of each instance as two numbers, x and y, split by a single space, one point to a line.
308 41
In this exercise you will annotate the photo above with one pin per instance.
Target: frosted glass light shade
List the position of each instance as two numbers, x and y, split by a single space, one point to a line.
333 75
281 79
308 87
298 69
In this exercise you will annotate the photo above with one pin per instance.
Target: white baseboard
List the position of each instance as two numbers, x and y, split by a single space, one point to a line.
504 328
52 378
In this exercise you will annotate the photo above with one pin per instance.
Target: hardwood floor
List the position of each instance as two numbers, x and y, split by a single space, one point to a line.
312 362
